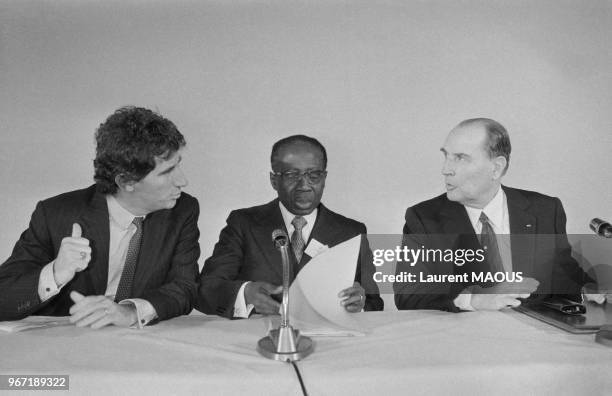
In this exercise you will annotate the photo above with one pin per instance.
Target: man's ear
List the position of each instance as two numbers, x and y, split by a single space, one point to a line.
123 183
499 164
274 181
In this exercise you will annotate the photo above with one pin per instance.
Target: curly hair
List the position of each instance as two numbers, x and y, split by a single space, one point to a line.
127 144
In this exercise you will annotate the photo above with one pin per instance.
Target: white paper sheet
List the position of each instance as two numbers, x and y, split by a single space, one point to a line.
33 322
314 306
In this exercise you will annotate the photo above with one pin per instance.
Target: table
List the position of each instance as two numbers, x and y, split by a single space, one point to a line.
193 354
409 352
472 353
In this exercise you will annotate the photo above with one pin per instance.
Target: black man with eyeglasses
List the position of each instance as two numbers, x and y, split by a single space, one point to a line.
244 274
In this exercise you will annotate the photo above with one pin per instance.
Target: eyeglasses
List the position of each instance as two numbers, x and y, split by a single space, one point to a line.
293 176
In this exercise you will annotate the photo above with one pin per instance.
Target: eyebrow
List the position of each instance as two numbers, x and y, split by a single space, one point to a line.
168 170
443 150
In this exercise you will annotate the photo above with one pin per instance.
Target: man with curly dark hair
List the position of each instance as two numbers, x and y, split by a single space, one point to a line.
123 251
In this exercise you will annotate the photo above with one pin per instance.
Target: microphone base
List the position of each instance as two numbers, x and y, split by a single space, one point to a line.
285 344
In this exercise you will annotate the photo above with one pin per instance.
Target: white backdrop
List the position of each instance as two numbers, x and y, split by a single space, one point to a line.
379 83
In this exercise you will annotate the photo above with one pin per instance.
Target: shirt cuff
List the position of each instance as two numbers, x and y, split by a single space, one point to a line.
241 309
464 301
597 298
144 311
47 287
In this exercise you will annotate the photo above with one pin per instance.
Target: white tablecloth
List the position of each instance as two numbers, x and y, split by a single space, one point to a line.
187 355
410 352
475 353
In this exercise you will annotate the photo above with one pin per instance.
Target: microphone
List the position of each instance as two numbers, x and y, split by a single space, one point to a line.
601 227
285 343
281 239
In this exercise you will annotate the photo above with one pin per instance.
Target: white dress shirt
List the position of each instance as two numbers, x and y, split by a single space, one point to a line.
241 309
121 231
497 212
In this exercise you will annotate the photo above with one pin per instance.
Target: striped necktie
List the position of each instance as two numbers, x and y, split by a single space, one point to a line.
124 290
488 241
297 242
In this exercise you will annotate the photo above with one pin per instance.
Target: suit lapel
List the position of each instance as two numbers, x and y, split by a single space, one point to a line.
268 220
325 231
95 224
522 224
455 219
457 226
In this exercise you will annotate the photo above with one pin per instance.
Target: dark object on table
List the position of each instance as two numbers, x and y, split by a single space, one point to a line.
591 321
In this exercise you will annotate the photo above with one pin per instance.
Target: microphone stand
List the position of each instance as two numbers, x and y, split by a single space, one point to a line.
285 343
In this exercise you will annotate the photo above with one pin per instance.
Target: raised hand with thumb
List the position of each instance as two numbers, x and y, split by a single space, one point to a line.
73 256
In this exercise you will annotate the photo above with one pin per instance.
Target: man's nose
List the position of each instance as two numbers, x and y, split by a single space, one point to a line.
447 168
302 182
180 180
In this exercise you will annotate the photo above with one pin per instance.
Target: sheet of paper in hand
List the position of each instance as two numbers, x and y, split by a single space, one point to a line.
314 306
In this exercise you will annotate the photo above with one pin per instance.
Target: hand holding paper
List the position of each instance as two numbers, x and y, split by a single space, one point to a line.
314 293
353 298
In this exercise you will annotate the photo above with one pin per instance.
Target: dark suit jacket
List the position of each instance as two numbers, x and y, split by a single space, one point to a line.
165 273
538 242
245 252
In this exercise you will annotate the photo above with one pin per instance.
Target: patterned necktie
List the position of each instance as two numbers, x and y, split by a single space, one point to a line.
488 241
124 290
297 242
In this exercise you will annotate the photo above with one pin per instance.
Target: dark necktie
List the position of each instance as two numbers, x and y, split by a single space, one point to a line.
488 241
297 242
124 290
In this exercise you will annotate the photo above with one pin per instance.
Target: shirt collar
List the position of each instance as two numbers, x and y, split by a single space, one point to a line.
288 216
121 216
494 210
